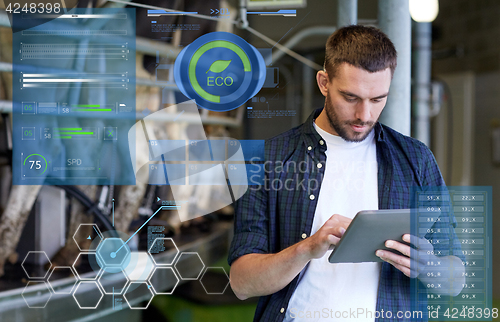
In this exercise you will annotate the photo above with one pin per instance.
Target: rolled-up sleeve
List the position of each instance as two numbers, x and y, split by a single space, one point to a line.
251 224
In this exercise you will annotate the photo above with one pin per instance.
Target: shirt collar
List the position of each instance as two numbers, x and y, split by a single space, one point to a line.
313 139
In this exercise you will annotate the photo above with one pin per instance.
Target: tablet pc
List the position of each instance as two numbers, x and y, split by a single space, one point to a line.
368 231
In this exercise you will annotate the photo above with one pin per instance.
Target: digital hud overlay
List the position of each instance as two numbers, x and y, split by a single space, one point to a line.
74 97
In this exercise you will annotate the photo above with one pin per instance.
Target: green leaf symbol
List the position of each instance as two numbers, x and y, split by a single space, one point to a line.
218 66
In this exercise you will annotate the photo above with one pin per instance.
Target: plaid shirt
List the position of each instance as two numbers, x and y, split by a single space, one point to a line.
278 214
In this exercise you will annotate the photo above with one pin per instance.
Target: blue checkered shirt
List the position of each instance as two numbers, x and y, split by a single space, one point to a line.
270 219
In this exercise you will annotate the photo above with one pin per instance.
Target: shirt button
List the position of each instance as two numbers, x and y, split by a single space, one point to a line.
309 148
321 142
304 236
282 310
311 197
320 165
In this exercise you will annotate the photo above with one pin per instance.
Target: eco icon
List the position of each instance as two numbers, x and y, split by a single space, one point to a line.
220 71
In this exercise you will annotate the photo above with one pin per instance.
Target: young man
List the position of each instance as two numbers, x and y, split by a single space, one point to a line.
283 236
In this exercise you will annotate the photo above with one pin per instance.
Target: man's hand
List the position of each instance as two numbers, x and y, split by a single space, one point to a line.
327 236
413 260
414 263
264 274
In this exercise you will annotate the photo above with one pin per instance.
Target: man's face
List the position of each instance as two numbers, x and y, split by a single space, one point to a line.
354 100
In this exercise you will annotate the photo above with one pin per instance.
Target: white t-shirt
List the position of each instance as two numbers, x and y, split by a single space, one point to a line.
326 291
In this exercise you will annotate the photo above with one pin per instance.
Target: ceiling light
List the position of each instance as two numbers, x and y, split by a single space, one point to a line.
424 10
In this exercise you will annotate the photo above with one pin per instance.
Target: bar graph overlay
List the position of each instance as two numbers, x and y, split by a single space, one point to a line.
74 97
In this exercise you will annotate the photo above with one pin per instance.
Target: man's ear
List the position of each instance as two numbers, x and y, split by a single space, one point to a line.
322 80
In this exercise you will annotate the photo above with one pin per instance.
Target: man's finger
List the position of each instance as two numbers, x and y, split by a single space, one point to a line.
419 257
333 240
344 221
335 231
390 256
405 270
418 243
402 248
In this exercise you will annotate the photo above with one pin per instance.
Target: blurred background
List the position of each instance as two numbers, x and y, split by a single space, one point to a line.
445 93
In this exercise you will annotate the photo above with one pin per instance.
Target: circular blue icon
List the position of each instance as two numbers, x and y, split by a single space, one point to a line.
220 71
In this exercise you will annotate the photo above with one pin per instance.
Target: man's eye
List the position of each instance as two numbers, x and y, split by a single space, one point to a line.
378 100
350 99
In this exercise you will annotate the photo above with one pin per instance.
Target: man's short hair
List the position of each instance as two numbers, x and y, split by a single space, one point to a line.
360 46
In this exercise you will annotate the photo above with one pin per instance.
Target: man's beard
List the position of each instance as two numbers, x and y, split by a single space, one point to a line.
343 129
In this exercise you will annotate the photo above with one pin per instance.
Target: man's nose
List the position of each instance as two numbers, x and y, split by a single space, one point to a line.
363 111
